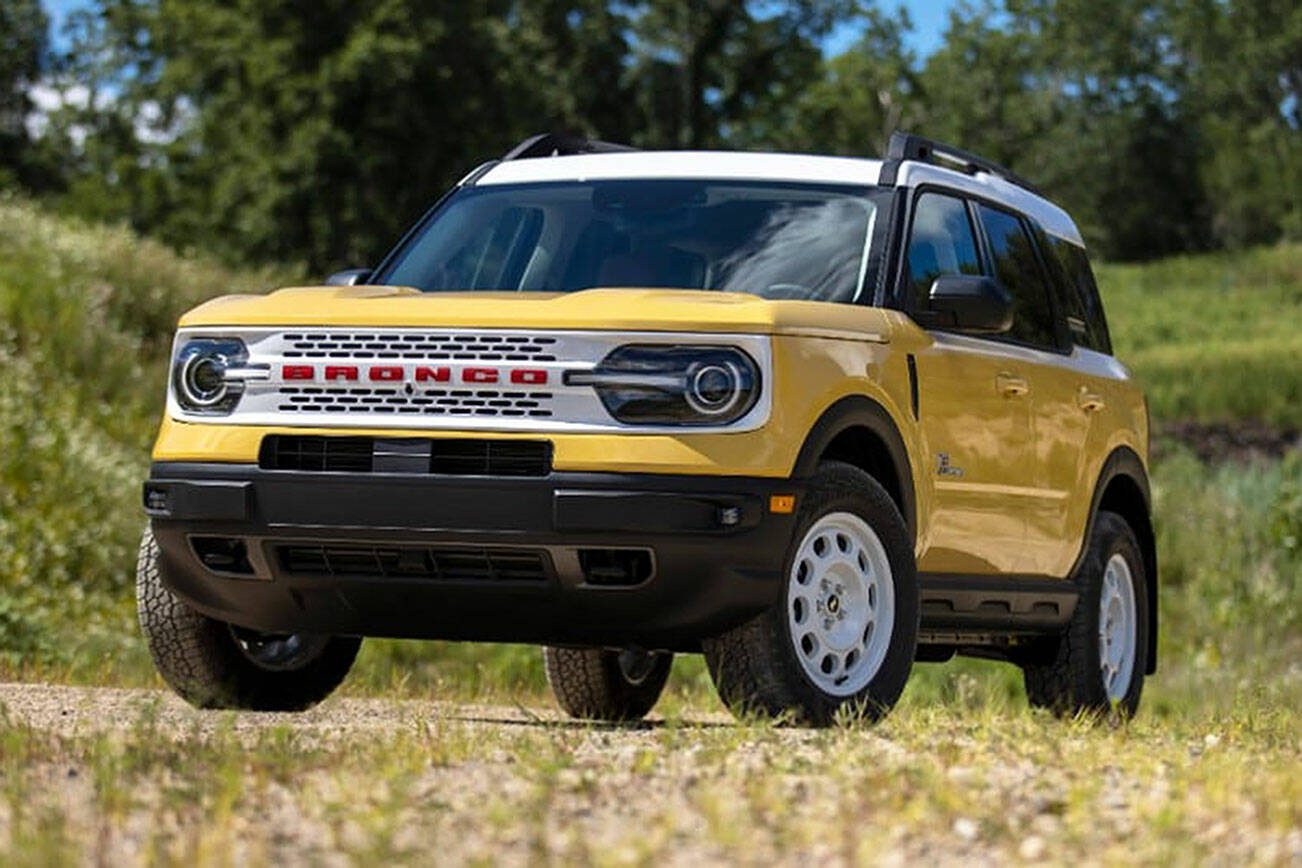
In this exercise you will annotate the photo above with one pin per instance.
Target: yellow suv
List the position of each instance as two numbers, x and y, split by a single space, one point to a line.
815 417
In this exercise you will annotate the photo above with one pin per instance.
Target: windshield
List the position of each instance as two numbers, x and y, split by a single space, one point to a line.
779 241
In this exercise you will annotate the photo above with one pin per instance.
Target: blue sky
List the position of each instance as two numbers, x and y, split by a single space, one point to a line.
929 18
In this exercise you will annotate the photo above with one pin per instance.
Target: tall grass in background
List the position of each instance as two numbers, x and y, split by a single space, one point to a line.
86 320
1214 337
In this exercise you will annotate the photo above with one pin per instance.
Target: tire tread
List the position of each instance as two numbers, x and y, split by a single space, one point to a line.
198 658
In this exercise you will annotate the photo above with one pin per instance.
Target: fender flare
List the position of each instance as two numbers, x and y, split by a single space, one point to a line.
1124 462
858 411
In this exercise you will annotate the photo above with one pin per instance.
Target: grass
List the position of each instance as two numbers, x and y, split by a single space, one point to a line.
966 781
1210 770
1214 337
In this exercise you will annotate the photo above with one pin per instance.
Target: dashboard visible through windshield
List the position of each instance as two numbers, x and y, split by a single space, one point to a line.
779 241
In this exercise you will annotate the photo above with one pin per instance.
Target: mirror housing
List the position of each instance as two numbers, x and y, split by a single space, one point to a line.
349 277
970 303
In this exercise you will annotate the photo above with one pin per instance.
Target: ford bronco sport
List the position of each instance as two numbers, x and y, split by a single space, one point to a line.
814 417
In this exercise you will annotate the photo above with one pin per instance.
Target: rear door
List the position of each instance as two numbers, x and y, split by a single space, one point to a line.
973 408
1074 413
1055 377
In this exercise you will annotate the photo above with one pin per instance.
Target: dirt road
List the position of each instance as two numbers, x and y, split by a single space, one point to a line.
125 776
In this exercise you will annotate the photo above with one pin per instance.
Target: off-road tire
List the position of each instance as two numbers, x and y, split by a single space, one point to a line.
1063 674
198 656
590 684
754 666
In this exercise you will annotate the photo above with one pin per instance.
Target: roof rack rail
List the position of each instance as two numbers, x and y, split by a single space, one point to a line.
907 146
559 145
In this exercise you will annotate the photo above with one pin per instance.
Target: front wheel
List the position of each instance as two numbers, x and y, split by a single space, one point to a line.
212 664
843 631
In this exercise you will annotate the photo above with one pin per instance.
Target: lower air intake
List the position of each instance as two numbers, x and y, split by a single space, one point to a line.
438 563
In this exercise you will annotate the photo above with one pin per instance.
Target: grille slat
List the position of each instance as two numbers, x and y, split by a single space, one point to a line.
464 347
437 563
432 402
448 457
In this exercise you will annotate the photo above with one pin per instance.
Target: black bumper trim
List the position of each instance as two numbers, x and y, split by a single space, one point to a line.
716 553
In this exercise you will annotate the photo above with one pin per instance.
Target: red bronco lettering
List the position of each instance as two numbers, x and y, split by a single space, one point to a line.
419 374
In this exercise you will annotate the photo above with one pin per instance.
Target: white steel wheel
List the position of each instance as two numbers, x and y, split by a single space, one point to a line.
1118 628
841 604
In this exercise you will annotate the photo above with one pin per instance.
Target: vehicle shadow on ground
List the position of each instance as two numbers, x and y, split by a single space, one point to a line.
529 719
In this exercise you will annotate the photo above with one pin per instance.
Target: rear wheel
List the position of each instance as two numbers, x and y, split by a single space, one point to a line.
212 664
842 633
1099 662
607 685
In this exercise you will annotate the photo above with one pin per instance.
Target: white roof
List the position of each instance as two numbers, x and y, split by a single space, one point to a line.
719 165
1054 220
797 168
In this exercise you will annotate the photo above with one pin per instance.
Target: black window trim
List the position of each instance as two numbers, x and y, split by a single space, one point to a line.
901 295
1093 289
903 300
1061 332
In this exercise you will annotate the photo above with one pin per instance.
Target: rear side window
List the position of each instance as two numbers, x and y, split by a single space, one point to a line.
1018 269
1070 269
942 242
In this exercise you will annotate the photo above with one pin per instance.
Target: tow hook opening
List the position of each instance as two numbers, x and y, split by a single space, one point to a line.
615 568
222 554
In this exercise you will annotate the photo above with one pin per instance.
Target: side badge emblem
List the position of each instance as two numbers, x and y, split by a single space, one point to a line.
944 468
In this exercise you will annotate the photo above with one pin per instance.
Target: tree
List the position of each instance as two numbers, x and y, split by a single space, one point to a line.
316 131
1081 96
1243 63
864 95
705 68
23 47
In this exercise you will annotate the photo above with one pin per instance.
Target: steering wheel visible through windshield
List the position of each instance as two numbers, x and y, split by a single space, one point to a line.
779 241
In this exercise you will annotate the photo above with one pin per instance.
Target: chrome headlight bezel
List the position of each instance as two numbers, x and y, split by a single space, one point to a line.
692 385
208 375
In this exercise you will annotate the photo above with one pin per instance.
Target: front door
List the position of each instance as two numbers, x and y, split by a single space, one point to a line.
975 413
974 400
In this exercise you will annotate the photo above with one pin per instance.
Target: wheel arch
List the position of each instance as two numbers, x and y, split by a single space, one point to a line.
1123 488
859 431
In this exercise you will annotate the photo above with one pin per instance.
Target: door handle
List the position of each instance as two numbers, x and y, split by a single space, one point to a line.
1090 402
1011 386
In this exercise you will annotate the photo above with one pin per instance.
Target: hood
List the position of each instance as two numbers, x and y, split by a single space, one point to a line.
591 309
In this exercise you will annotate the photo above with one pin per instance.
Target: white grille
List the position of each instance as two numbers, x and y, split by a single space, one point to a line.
446 398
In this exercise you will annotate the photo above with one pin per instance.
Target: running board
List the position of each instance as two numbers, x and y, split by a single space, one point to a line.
959 604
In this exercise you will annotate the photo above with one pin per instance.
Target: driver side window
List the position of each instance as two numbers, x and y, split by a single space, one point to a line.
942 242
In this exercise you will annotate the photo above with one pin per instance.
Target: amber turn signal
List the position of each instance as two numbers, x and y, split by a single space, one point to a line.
782 504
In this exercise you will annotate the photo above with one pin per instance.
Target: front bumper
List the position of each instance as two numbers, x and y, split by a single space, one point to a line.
419 556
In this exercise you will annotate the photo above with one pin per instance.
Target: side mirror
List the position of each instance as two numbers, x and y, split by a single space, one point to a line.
349 277
970 303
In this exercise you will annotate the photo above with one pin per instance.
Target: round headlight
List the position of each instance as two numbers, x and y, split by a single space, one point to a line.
203 380
712 388
200 375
